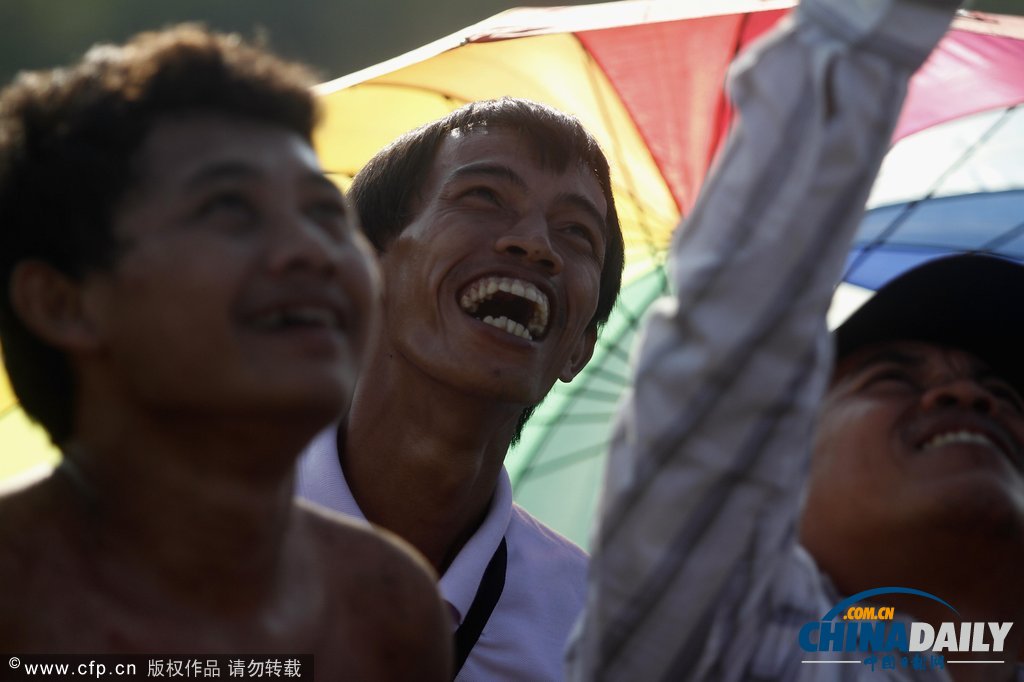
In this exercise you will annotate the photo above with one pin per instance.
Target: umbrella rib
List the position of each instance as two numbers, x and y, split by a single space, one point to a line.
630 185
597 394
563 461
990 247
413 86
910 206
1008 236
619 352
723 100
608 375
580 418
634 317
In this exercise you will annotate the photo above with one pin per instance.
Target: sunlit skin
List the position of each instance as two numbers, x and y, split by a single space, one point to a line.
427 437
173 526
218 237
889 505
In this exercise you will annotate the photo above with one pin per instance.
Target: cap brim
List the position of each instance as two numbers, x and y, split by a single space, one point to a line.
970 302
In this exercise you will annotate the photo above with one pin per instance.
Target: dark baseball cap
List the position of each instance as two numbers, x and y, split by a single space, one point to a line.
971 302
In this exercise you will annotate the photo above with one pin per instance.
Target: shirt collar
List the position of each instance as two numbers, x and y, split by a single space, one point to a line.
321 480
460 582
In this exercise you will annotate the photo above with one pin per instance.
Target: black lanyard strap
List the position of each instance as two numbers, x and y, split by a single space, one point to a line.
480 610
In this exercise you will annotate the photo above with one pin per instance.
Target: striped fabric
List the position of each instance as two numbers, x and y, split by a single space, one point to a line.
696 573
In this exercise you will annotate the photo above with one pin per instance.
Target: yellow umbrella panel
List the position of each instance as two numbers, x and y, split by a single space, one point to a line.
555 69
24 446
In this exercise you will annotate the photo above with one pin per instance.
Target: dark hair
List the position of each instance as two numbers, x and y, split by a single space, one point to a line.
69 141
385 192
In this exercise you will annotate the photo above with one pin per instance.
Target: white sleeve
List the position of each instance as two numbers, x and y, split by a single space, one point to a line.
710 450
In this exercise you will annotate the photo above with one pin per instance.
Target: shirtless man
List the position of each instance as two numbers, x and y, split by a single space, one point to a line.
186 301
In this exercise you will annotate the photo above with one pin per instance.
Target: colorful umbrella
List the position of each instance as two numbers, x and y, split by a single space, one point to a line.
646 77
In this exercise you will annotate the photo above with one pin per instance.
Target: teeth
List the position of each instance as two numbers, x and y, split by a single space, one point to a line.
510 326
484 289
959 437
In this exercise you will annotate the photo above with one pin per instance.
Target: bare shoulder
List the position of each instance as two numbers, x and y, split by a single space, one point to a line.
384 583
27 521
364 550
29 556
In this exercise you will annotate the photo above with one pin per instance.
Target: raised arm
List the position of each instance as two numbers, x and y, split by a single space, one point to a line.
704 476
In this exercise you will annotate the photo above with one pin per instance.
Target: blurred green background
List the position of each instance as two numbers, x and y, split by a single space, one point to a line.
335 36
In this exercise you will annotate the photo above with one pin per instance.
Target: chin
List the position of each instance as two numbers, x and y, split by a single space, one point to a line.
497 382
332 402
512 395
980 510
322 400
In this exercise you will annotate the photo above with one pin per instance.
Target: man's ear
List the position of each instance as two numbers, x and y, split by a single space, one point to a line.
580 356
50 305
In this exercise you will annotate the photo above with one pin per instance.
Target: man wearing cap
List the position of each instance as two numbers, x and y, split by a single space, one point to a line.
704 566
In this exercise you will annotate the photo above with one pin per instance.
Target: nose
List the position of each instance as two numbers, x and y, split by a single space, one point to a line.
959 392
297 243
529 239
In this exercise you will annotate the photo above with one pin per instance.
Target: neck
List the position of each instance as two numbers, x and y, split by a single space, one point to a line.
979 577
423 462
994 624
153 505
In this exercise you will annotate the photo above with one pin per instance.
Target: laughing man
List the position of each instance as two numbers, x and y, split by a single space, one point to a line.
502 256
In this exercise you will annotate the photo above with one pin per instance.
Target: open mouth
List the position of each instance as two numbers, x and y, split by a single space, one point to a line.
966 436
960 437
512 305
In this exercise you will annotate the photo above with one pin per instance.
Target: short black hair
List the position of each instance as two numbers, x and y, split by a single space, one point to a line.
386 190
69 142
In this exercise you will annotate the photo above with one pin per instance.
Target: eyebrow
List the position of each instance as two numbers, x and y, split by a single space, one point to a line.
986 373
221 171
489 169
888 356
587 206
505 173
240 170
